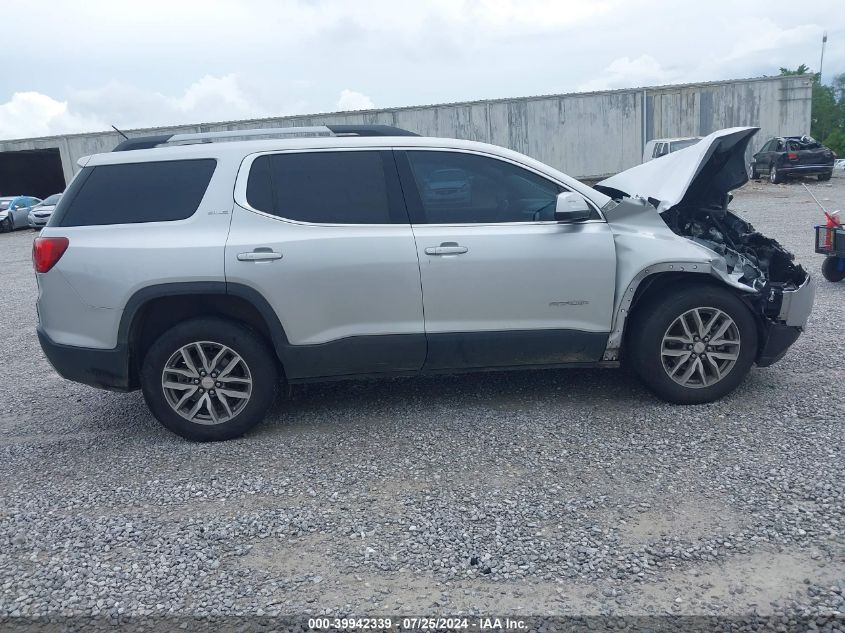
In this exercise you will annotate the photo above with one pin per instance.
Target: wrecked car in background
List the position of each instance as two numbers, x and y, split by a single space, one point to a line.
785 156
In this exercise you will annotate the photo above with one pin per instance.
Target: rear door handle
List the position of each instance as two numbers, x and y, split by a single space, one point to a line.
446 248
259 256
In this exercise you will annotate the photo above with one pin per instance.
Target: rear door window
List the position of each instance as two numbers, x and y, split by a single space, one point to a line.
346 187
135 192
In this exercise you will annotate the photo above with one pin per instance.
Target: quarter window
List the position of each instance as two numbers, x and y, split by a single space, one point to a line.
321 187
460 188
135 192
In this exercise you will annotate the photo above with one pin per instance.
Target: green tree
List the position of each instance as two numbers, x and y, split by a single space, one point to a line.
803 69
836 141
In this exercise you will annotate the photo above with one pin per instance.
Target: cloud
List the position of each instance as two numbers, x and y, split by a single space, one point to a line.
209 99
352 100
299 55
29 114
761 35
625 72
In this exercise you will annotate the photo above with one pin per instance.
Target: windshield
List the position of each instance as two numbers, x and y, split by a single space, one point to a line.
676 145
51 200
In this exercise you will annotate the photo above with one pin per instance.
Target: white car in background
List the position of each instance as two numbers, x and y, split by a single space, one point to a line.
839 163
40 213
14 211
662 146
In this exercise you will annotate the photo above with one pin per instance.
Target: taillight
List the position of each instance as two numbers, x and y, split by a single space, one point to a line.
792 156
46 251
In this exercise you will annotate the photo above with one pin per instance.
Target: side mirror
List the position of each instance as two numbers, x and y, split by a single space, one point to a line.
571 207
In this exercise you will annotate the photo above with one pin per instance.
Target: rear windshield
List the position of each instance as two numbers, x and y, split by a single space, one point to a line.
135 192
797 146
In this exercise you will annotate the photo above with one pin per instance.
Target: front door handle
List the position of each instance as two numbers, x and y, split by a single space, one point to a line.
259 255
446 248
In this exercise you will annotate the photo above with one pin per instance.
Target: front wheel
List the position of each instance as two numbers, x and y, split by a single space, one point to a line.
693 346
755 175
209 379
833 268
8 225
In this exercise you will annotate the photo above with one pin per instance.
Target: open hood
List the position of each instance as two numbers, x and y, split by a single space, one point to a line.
702 174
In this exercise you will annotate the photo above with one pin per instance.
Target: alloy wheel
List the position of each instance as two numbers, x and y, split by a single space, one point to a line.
206 382
700 347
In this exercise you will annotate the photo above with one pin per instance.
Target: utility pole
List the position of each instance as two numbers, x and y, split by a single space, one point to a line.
821 61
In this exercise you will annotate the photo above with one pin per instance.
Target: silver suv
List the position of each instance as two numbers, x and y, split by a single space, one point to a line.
206 272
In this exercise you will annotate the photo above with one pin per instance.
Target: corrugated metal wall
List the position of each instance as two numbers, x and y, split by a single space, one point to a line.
586 135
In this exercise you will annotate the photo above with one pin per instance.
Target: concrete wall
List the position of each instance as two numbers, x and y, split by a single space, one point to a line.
586 135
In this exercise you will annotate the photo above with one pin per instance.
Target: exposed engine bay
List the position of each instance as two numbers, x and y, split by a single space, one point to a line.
758 261
689 190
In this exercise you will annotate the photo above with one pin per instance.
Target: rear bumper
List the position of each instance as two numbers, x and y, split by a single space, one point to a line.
102 368
806 169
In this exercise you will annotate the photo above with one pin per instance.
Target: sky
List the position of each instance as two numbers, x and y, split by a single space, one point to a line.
85 65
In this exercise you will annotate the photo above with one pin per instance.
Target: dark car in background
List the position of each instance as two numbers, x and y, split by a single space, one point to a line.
785 156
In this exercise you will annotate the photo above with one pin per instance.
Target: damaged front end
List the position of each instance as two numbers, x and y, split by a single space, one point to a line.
783 296
690 190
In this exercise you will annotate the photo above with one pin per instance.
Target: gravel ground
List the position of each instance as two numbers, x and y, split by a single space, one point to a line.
556 492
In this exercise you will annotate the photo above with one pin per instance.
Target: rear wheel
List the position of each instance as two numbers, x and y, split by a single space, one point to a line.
774 174
693 346
209 379
833 268
826 175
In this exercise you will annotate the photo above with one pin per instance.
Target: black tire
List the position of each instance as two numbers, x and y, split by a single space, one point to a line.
652 321
6 225
250 347
755 175
829 269
774 175
826 176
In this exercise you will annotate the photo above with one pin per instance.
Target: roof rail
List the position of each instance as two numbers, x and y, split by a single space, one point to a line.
147 142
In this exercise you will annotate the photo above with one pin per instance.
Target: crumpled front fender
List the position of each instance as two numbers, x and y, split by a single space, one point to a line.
645 246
